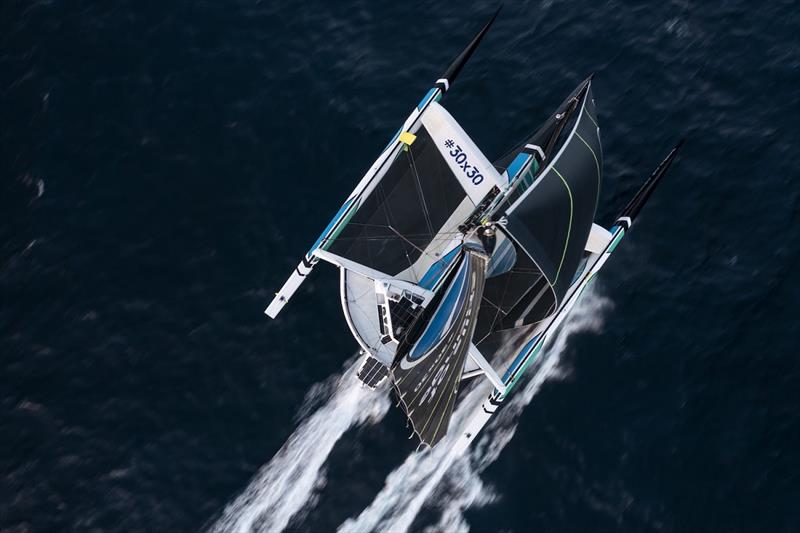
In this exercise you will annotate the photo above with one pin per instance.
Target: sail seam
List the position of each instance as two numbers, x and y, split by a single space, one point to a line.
569 228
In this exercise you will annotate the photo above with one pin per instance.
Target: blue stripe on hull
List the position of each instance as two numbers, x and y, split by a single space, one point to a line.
437 269
515 166
426 98
452 302
520 358
339 215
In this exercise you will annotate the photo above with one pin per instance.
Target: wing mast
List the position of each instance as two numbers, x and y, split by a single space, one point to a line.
371 178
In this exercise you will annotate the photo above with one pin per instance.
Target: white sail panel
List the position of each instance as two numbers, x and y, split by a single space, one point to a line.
474 172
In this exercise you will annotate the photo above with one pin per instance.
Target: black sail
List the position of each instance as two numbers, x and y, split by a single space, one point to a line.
427 375
549 220
552 220
405 211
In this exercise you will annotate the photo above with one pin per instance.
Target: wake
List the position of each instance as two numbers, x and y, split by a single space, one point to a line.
455 478
289 483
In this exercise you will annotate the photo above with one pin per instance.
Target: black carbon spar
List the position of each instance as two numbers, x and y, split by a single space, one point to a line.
455 67
643 194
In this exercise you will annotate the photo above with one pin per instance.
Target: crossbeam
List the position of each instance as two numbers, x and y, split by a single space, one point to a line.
484 368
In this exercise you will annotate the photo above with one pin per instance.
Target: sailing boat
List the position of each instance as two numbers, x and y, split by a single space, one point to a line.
450 264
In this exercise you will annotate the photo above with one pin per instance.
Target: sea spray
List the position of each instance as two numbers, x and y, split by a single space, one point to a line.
456 477
291 481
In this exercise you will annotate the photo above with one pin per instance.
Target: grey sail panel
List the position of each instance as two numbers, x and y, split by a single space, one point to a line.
529 291
427 376
503 293
548 137
551 220
405 212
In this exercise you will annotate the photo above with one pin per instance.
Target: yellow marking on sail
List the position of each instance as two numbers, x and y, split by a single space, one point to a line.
569 229
407 138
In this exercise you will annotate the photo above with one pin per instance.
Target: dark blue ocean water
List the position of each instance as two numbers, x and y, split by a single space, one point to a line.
163 166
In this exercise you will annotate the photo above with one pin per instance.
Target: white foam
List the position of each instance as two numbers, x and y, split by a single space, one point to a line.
289 484
449 483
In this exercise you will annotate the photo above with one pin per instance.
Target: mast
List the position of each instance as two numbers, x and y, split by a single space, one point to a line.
373 175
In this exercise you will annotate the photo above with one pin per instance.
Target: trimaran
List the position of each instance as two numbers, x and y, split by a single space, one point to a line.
450 265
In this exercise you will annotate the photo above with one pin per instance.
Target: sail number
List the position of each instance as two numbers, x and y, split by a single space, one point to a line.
460 158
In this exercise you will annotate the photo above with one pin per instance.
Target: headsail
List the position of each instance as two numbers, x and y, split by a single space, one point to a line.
411 218
552 219
548 214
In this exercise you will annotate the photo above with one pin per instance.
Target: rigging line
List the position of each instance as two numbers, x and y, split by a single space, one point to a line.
410 263
418 186
420 250
409 235
533 303
590 116
499 310
373 239
443 233
489 302
381 194
389 220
